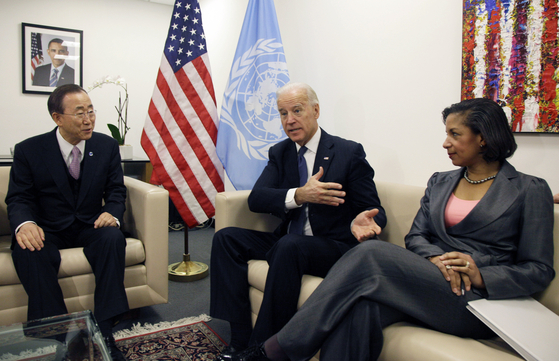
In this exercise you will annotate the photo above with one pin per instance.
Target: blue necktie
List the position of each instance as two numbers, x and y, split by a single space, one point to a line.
298 223
54 78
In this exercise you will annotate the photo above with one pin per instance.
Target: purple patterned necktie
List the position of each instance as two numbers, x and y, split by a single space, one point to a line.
297 225
74 167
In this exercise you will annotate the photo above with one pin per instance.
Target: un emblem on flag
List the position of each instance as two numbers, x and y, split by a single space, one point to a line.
249 105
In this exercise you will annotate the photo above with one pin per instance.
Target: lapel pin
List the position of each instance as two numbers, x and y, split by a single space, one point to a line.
91 154
326 158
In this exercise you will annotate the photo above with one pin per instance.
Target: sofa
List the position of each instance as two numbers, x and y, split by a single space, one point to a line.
402 341
146 275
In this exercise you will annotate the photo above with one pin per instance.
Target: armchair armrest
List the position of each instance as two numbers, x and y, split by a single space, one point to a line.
231 210
147 219
550 296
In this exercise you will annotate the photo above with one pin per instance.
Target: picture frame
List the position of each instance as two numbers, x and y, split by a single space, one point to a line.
44 45
509 55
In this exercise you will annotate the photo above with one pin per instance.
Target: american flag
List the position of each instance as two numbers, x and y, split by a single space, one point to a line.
36 52
180 132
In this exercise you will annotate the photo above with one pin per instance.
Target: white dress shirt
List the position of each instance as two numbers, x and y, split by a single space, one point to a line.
66 148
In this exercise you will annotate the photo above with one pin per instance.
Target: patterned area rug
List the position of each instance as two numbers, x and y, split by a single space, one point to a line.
187 339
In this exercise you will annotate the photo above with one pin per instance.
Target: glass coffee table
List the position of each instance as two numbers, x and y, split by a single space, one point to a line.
74 336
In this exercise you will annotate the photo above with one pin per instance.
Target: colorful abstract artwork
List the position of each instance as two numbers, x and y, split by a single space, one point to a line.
510 54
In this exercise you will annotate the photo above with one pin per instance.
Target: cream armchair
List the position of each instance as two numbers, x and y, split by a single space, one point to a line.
145 278
403 341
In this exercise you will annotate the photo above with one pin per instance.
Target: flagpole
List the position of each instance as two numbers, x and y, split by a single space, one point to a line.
187 270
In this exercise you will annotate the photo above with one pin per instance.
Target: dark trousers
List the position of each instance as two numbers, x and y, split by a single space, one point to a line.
104 248
373 286
289 258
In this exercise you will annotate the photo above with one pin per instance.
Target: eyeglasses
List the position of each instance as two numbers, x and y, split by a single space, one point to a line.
90 114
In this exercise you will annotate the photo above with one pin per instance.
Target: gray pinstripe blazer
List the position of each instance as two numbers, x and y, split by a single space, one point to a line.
513 252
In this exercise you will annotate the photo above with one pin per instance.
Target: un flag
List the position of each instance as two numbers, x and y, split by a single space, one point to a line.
249 122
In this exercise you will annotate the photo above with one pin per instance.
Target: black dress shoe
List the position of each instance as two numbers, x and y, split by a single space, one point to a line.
253 353
228 353
115 352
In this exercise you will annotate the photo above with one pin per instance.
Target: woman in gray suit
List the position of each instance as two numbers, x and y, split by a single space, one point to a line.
482 231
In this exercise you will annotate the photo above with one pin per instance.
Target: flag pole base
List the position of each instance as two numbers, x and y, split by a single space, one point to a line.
187 270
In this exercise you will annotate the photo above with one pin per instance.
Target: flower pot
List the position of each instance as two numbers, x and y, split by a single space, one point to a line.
126 152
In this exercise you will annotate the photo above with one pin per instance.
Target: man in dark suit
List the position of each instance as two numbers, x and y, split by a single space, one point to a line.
322 188
58 72
58 183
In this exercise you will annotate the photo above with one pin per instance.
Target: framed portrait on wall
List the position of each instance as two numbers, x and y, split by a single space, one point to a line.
509 54
51 57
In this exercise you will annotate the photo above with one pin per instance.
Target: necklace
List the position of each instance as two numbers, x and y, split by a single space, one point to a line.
477 181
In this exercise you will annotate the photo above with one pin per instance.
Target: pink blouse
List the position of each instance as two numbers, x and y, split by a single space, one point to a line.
456 210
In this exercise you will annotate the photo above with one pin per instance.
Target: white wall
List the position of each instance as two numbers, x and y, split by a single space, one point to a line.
383 71
121 37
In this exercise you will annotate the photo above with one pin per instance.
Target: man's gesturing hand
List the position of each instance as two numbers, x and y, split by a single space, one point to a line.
318 192
364 226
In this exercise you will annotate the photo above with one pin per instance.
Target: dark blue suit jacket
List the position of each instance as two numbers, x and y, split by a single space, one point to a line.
343 162
39 189
42 76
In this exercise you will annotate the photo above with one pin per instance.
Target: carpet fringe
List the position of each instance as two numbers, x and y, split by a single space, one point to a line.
137 329
42 351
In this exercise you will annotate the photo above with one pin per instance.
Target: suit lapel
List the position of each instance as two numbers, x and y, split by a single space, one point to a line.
440 192
500 196
323 158
91 153
65 74
324 153
57 169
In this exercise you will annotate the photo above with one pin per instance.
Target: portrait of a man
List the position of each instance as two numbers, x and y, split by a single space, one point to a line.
51 57
57 72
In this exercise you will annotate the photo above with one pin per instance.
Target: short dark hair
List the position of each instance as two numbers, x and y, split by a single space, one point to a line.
486 117
54 103
57 40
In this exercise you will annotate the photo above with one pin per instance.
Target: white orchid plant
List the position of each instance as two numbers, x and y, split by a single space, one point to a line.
117 131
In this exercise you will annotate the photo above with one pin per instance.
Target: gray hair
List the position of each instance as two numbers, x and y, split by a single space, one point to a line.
311 95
